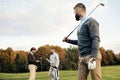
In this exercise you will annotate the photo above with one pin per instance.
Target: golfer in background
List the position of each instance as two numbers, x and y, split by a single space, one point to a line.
31 62
88 45
54 64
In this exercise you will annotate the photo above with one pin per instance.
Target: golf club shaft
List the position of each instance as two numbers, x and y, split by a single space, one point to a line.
93 10
72 31
88 15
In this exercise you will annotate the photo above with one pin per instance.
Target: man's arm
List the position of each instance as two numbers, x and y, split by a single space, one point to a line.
48 60
94 34
75 42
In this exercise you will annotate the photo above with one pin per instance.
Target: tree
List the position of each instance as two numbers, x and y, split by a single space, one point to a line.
112 59
21 62
104 57
16 61
5 60
72 58
42 53
118 56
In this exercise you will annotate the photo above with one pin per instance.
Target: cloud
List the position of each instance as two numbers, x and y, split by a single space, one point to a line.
38 17
25 22
34 17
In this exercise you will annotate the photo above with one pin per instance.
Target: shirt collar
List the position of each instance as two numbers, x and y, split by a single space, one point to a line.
31 53
83 18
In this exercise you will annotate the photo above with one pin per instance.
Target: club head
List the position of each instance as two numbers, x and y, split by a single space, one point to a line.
102 4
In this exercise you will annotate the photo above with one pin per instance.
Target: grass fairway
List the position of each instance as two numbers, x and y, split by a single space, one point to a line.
108 73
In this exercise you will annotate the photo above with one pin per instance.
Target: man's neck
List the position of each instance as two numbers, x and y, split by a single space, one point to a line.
52 53
83 15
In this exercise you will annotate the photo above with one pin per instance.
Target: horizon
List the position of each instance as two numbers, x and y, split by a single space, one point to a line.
51 45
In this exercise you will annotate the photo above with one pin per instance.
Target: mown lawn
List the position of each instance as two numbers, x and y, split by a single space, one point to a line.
108 73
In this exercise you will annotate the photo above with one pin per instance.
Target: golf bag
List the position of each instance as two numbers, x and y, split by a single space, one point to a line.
55 73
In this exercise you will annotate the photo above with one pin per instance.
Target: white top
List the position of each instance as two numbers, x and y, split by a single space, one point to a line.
54 60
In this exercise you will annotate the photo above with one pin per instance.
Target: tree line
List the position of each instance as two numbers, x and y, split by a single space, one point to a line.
16 61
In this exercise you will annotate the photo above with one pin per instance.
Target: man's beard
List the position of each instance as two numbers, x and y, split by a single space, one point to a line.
77 17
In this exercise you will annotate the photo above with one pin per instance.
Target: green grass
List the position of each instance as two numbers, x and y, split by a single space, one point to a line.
108 73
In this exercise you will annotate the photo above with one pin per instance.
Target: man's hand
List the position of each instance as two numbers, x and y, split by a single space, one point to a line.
65 39
36 67
47 59
91 64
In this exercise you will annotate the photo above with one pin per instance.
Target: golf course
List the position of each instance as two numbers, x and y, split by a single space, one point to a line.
108 73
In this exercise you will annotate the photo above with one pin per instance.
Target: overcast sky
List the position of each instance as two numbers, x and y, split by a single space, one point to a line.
27 23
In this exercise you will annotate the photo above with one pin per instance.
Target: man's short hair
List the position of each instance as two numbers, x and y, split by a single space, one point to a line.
33 48
80 5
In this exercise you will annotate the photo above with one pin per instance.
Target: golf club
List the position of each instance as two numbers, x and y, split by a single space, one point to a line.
88 15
